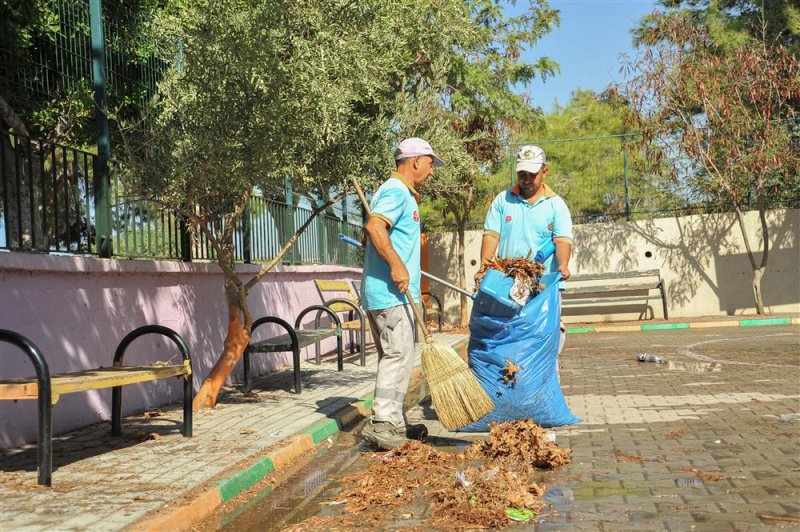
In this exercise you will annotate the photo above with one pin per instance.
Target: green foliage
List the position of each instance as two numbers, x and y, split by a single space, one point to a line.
264 90
733 23
46 64
478 83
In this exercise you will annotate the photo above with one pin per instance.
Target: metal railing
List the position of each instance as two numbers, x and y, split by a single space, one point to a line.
47 204
47 200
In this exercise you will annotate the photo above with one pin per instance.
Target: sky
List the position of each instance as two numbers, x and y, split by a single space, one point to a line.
587 46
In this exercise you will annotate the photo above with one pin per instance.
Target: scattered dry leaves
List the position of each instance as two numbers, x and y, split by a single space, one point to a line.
625 457
466 490
703 475
677 434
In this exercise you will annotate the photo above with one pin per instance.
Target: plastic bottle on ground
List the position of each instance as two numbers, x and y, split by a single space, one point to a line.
647 357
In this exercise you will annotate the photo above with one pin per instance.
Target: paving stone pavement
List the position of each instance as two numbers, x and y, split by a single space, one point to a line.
102 482
709 440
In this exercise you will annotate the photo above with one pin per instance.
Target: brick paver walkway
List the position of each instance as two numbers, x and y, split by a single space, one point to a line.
710 440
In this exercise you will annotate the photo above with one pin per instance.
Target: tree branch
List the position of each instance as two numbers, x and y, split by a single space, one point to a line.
277 258
11 118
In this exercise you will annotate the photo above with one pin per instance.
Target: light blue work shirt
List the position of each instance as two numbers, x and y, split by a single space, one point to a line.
395 202
522 226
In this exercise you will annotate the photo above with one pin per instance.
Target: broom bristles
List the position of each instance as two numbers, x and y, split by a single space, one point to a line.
457 395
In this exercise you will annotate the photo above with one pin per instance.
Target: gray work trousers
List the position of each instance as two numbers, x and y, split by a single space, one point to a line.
393 332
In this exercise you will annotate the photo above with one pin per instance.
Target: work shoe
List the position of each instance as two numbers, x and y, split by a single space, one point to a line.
383 434
416 432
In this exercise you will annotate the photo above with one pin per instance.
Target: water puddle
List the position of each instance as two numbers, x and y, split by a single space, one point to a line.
690 482
694 367
309 492
561 496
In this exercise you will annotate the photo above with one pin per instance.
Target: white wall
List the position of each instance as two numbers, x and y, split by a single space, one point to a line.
702 259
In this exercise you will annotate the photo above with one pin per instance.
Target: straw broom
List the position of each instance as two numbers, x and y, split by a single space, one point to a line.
457 395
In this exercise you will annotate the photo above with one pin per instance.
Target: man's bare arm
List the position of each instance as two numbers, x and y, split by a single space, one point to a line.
488 246
563 254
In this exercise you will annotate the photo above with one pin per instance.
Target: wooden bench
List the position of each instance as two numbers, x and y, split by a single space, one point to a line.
47 388
621 287
293 340
349 304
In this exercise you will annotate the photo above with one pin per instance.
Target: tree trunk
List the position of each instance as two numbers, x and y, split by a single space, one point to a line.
239 323
758 274
758 270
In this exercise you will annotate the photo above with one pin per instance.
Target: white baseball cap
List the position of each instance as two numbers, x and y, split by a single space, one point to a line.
414 147
530 159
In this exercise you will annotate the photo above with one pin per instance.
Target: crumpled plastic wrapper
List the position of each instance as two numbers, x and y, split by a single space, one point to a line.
521 290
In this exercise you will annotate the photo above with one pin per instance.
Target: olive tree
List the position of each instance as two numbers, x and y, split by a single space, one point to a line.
259 90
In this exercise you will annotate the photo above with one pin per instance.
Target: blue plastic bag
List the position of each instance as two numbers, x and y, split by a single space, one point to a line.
530 341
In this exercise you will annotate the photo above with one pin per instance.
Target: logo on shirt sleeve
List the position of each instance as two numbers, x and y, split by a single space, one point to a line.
415 216
508 217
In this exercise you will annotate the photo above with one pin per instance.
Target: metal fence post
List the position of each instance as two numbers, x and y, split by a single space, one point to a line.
322 233
247 254
625 178
185 241
511 164
288 221
102 185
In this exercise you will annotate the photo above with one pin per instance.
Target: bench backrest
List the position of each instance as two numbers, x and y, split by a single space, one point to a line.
614 275
336 289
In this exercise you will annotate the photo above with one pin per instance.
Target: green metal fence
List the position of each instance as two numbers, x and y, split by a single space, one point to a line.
601 179
56 61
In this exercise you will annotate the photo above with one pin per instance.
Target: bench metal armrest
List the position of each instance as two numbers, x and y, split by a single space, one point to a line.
272 319
188 390
152 329
350 304
438 308
320 308
337 330
45 444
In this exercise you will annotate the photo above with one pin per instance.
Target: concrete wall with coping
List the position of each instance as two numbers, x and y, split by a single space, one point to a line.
703 260
78 309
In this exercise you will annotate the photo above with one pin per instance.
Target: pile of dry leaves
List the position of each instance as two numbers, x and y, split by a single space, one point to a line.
522 443
472 489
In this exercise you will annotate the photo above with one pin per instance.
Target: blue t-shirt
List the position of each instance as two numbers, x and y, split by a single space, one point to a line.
396 204
522 227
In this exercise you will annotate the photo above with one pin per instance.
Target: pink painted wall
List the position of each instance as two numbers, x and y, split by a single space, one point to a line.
78 309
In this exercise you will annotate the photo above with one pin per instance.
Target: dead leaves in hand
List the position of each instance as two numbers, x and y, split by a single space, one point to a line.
521 269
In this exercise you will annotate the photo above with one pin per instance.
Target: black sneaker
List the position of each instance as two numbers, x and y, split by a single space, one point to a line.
385 435
416 432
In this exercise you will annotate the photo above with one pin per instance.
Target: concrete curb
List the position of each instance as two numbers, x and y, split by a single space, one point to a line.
184 516
758 322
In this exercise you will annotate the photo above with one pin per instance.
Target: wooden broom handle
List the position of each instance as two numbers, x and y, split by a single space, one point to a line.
414 308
